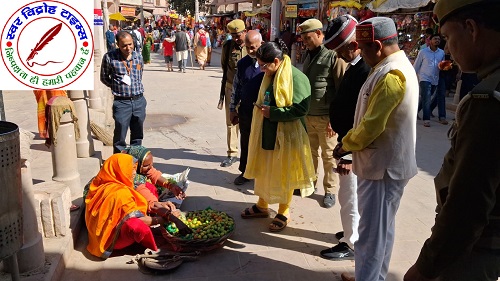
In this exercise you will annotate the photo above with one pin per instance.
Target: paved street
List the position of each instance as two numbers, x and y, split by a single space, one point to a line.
185 129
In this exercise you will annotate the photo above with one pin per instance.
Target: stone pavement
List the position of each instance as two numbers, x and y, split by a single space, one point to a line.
185 129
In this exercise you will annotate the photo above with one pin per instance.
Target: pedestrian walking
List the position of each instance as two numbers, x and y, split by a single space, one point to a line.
465 240
121 71
382 142
168 50
201 43
110 39
325 71
426 67
182 46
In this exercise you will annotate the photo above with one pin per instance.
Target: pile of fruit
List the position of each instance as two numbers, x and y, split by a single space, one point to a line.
206 224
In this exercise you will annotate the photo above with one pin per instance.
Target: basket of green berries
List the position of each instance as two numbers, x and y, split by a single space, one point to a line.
210 229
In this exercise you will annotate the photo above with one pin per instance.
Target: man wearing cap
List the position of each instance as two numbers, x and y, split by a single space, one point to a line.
465 239
341 37
246 85
325 71
232 51
182 45
382 142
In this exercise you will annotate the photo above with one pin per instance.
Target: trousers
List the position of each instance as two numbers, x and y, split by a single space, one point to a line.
245 125
232 130
378 202
349 215
316 130
128 113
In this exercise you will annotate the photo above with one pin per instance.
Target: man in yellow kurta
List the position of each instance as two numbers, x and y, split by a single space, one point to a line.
382 142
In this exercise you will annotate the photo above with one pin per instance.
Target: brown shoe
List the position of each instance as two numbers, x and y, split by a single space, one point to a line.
347 277
443 121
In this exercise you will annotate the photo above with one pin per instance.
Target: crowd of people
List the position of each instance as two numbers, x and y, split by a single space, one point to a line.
354 105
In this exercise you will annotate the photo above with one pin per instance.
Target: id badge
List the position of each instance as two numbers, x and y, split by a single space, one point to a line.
126 79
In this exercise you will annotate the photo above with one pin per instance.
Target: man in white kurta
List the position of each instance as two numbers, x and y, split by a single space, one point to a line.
382 142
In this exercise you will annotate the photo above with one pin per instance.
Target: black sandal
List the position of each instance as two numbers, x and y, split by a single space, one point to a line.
279 223
254 212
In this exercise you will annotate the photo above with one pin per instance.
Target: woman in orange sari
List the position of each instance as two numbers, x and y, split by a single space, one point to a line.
116 214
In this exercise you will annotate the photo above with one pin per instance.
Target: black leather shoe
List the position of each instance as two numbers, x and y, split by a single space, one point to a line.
340 251
228 161
240 180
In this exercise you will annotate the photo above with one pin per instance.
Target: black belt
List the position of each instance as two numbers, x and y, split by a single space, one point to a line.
136 97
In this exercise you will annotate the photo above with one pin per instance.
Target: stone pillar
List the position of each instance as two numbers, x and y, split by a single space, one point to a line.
85 144
293 54
96 94
31 255
275 19
64 156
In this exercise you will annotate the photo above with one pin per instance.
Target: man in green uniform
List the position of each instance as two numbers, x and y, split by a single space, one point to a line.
232 51
325 71
465 239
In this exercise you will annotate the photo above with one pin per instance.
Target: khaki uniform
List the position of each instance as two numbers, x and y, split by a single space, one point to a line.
236 53
325 71
465 240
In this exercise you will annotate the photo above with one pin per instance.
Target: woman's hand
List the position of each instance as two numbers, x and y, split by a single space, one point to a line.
167 205
159 209
177 191
265 111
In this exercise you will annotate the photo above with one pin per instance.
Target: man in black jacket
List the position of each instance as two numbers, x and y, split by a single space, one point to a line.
341 37
182 45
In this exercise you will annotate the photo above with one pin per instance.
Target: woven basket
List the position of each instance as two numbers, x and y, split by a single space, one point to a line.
183 245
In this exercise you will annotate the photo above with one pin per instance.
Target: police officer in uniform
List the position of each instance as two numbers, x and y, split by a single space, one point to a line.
232 51
465 240
325 71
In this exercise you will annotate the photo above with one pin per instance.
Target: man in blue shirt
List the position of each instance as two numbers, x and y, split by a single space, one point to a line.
426 67
246 85
122 71
110 39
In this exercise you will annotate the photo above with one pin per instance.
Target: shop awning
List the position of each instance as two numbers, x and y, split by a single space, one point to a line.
261 10
348 4
146 14
117 16
218 3
386 6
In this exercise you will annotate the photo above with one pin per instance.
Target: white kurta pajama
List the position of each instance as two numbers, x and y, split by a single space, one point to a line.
383 145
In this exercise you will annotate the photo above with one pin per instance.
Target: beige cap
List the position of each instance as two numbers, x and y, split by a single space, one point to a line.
236 26
446 8
310 25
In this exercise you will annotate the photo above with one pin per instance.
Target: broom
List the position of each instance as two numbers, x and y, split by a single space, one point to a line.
101 134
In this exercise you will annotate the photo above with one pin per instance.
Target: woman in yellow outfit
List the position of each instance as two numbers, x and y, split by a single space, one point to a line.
279 155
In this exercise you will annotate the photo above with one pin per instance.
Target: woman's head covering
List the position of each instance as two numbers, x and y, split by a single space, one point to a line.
110 201
118 168
140 153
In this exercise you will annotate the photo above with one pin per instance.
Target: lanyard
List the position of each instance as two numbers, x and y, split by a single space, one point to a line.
129 68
